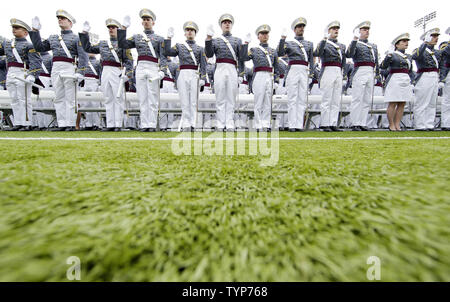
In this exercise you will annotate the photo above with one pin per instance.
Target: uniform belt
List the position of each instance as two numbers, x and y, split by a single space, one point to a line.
168 79
147 58
207 84
315 81
298 62
263 68
379 85
63 59
91 76
400 70
43 74
359 64
229 61
245 82
193 67
111 63
15 64
427 70
281 76
336 64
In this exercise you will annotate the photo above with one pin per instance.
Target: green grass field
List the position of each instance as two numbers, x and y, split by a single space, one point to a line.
133 211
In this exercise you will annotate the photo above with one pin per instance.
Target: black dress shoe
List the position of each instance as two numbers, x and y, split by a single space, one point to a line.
445 129
326 129
88 128
356 128
144 130
108 129
420 129
26 128
363 128
430 129
151 130
58 129
336 129
15 128
291 129
117 129
70 129
299 130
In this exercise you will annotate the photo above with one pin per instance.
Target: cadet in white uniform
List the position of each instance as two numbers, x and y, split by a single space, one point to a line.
398 84
25 63
192 74
427 81
150 67
69 63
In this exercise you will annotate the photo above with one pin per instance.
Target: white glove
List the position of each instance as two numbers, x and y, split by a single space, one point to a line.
248 38
309 81
391 49
241 80
86 27
428 37
356 33
170 33
448 31
344 83
441 85
161 75
126 21
275 86
36 23
30 78
201 83
210 30
326 35
284 33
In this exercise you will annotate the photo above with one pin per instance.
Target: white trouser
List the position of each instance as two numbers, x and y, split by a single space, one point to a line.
445 106
331 88
363 82
147 92
226 89
426 92
167 118
114 105
296 84
64 93
262 89
16 90
187 83
92 118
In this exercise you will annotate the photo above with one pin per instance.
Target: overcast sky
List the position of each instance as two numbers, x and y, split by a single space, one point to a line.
389 17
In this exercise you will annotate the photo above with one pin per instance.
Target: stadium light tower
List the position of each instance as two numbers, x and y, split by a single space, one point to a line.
422 22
